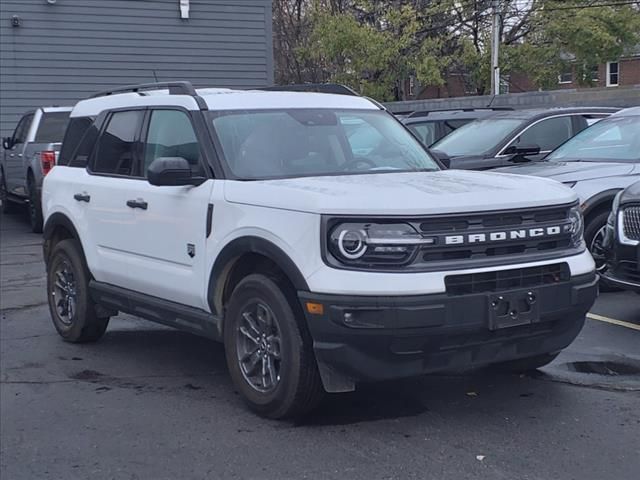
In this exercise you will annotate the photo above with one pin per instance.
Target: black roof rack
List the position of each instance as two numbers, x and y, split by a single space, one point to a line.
425 113
175 88
334 88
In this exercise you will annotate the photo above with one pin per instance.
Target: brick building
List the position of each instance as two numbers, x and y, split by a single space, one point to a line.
622 72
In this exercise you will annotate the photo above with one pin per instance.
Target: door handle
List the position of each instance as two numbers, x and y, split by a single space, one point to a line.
141 204
82 197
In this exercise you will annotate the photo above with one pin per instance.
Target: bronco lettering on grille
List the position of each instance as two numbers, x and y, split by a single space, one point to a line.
502 236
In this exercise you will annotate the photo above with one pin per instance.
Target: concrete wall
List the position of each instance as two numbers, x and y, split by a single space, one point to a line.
65 51
604 97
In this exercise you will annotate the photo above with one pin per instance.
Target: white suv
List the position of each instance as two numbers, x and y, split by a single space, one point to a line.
312 234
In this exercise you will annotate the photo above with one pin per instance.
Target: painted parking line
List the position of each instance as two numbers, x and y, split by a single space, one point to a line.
613 321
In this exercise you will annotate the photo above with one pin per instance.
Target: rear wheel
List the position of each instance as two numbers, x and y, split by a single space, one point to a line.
72 310
528 364
35 206
269 354
8 207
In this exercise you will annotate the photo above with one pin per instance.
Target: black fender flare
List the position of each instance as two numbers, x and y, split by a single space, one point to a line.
251 244
594 202
58 219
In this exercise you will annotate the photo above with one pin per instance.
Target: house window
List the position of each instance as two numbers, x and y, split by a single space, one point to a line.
565 77
613 74
505 82
594 74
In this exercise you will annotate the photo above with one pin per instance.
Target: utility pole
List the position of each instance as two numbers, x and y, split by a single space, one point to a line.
495 49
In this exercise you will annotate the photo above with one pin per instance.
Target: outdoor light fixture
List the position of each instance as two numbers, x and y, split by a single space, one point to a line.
52 2
184 9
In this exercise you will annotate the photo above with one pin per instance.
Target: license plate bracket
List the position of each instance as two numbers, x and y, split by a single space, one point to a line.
511 309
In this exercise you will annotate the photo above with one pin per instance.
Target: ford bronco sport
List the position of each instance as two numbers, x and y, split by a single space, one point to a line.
249 218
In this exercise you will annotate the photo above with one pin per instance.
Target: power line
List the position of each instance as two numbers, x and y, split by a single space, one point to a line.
593 5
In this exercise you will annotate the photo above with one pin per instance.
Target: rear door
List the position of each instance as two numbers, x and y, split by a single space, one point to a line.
114 178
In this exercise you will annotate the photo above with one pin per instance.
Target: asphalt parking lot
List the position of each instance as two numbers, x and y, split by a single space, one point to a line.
151 403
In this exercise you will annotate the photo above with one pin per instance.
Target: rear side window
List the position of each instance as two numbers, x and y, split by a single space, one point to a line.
20 134
76 131
547 134
52 127
117 147
426 132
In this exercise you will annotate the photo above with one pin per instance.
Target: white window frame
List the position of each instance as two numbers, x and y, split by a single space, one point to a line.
609 84
565 82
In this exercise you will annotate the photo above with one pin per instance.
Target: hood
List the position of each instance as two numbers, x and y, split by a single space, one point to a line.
571 171
412 193
631 194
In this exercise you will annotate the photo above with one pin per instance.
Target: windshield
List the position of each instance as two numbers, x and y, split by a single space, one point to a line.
616 139
309 142
477 138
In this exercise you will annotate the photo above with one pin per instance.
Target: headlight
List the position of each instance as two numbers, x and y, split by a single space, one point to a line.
364 244
577 226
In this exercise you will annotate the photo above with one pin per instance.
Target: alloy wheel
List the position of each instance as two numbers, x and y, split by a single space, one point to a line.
64 293
258 345
597 249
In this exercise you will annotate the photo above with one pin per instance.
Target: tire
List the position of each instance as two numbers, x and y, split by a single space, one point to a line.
74 316
8 207
591 231
35 207
295 387
528 364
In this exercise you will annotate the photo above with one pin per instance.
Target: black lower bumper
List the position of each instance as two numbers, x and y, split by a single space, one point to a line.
365 339
623 267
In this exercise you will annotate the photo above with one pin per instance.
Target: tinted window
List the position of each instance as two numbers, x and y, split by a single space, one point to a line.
52 127
116 152
75 132
478 137
87 144
547 134
308 142
616 139
171 134
20 134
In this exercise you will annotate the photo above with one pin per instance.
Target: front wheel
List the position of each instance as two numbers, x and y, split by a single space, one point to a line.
72 310
269 354
594 235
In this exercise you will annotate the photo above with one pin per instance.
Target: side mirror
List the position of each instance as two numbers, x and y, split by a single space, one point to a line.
442 157
172 172
6 143
520 152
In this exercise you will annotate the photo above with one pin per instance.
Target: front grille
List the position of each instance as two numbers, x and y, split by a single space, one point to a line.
485 237
631 222
529 277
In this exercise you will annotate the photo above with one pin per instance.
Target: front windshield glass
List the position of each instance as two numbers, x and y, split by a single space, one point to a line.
616 139
477 138
309 142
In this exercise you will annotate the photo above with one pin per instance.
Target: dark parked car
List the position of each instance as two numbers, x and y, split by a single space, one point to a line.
506 138
597 164
430 126
622 240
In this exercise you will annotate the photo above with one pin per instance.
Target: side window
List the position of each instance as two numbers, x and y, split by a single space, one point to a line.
171 134
76 130
20 134
547 134
116 151
426 132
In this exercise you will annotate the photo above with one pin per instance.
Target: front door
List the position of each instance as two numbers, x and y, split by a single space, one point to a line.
168 248
14 171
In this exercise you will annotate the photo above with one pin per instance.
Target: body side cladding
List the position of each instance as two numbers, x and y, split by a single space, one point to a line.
249 245
157 310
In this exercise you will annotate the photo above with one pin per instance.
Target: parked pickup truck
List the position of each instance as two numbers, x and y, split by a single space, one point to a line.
28 155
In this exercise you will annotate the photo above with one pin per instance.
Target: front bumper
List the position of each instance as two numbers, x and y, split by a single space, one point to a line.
366 339
623 266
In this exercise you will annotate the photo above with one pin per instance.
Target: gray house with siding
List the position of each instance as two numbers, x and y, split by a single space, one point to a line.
55 52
